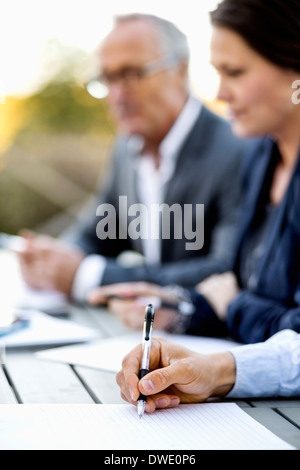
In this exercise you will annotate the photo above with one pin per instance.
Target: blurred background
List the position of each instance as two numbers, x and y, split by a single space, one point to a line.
55 138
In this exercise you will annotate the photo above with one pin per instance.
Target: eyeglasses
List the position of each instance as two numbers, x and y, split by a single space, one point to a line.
128 76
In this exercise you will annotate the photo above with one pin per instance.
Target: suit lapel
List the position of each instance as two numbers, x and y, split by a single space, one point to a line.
253 196
130 175
191 150
280 221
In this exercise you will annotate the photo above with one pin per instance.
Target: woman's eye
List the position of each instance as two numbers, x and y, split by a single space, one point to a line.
234 72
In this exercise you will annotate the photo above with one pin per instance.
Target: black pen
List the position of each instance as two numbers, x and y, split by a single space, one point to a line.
144 370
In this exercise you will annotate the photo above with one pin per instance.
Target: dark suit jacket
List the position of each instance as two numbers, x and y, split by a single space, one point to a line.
207 172
275 303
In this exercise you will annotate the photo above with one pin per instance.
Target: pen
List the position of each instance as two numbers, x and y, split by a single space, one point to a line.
144 370
18 324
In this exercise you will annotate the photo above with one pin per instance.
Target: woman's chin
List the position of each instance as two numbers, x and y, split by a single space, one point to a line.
243 131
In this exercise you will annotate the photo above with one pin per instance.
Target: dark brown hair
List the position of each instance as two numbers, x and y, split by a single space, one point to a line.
271 27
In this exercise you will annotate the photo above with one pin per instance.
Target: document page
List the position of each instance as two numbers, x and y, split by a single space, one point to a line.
43 330
118 427
108 353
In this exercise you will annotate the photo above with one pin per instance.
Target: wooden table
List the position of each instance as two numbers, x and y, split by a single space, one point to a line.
25 379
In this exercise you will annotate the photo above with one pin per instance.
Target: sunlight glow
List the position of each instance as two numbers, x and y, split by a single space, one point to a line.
27 27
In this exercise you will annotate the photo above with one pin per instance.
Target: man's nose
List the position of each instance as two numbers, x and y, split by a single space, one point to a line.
117 91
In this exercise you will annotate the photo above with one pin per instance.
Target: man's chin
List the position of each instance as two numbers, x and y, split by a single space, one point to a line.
129 125
130 130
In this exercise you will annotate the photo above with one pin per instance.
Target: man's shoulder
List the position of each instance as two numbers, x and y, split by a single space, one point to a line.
220 127
216 131
212 135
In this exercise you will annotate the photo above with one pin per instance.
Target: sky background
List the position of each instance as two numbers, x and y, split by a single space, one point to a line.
26 26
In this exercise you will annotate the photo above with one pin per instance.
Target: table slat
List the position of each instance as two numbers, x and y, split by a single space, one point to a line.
38 381
293 414
277 424
107 322
102 383
7 395
275 403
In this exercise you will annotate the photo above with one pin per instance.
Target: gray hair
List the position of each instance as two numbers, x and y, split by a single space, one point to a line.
172 40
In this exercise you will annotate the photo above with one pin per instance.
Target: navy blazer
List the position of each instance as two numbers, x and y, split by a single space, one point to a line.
274 304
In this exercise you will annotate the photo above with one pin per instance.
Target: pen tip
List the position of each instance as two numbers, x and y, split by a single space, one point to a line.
141 408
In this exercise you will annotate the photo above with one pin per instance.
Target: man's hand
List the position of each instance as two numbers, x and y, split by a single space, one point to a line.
47 263
177 375
128 301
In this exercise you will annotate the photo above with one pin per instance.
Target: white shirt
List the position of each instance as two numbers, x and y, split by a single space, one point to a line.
268 369
152 181
151 186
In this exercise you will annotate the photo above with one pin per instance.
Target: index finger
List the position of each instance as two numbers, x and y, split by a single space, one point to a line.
128 378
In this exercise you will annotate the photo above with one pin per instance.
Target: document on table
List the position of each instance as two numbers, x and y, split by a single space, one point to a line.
117 427
18 295
43 330
107 354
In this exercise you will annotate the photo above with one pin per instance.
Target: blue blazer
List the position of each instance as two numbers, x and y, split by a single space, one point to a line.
274 305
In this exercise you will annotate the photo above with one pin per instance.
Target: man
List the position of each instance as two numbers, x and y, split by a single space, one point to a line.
171 150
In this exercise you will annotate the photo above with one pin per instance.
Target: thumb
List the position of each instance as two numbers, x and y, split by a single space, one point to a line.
160 379
95 297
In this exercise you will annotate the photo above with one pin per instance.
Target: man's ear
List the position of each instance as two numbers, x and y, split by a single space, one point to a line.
183 73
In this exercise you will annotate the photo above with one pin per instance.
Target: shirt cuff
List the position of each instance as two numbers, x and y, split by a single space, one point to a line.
257 373
88 276
268 369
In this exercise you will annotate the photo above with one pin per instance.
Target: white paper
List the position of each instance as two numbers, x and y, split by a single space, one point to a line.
211 426
107 354
45 330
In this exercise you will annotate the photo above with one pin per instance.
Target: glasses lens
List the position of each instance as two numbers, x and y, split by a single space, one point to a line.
97 89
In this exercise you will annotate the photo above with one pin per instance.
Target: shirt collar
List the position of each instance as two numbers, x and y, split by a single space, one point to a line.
170 146
173 141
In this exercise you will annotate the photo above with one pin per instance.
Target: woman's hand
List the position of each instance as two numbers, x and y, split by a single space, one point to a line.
219 290
177 375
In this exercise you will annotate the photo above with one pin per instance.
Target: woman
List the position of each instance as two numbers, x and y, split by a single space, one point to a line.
257 68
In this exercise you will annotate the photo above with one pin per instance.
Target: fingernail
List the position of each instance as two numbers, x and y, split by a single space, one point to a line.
161 403
175 401
148 386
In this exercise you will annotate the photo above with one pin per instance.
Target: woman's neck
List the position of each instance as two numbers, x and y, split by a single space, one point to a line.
288 142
